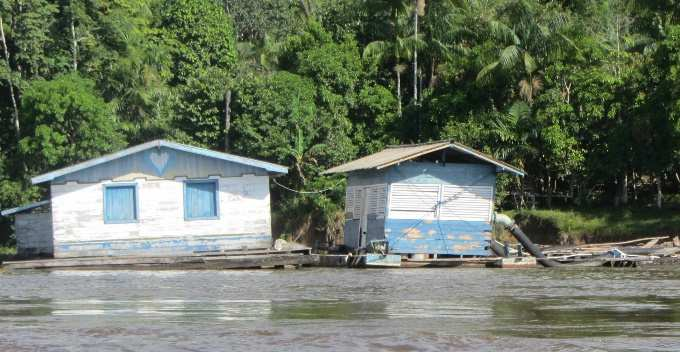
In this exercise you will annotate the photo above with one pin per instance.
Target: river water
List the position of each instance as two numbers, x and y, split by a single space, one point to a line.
341 309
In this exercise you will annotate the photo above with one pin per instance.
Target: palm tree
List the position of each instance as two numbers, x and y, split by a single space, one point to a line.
528 37
402 46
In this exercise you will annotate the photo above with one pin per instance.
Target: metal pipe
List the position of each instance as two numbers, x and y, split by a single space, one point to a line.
496 248
524 240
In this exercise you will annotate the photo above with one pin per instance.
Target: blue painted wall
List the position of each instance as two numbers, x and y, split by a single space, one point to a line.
163 163
449 174
452 237
161 247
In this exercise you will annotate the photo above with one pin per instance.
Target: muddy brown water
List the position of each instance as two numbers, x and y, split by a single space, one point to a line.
342 309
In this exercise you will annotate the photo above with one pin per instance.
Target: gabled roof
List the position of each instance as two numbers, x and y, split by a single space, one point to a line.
270 167
27 207
397 154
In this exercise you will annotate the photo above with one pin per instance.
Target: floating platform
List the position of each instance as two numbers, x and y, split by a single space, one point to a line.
221 260
514 263
376 260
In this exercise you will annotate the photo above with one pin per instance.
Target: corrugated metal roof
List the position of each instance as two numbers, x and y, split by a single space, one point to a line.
397 154
270 167
8 212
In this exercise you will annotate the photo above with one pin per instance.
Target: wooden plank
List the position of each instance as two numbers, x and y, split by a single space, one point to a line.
651 243
223 262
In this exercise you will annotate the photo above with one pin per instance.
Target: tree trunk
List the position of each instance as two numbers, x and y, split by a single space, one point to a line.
398 92
624 189
659 194
433 77
306 8
549 195
227 118
10 83
415 53
635 193
74 45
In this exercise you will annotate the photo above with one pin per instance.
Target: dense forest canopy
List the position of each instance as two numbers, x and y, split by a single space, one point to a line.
582 94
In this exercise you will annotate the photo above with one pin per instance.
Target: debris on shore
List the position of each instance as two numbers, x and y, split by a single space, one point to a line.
648 250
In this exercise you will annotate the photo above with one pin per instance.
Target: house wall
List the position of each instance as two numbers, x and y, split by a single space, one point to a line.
440 209
79 229
430 207
373 186
34 234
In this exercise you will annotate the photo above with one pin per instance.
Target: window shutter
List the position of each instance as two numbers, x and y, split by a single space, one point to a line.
120 204
200 200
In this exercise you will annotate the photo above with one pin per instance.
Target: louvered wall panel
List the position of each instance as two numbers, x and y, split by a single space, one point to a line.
413 201
358 202
472 203
381 200
376 200
349 202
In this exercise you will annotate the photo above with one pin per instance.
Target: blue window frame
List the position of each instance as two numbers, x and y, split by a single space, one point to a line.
200 200
120 203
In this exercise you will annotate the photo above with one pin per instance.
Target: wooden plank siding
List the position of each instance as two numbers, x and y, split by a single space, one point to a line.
80 230
34 234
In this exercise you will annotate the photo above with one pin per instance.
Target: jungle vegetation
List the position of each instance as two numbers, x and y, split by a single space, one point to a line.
582 94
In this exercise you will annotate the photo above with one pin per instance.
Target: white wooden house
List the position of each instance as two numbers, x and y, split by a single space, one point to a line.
157 198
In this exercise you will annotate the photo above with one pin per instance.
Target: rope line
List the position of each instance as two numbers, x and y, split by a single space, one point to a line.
307 192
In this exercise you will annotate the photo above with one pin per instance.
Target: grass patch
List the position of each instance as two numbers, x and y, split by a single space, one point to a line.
7 253
596 225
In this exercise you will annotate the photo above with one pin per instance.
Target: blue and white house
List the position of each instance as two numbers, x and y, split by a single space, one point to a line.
434 198
157 198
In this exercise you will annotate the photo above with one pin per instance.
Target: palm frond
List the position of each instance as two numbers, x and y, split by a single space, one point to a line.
502 32
483 75
529 63
510 56
376 51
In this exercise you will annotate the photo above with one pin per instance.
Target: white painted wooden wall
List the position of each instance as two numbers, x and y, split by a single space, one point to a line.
78 211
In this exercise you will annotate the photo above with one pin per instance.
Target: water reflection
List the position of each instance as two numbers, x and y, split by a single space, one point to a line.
419 309
587 316
328 309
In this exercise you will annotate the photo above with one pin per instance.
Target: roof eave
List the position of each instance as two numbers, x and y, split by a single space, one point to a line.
19 209
478 155
269 167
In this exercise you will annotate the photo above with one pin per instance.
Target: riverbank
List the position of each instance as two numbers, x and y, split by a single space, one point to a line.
579 226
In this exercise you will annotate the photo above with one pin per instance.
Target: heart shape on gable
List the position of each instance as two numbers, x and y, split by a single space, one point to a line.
159 160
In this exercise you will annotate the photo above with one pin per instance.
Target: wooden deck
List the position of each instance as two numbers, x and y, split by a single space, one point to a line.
223 260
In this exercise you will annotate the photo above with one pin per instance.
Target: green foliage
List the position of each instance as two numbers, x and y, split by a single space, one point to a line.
281 118
592 225
68 123
202 43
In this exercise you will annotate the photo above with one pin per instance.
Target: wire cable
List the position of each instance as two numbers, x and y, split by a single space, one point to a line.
308 192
